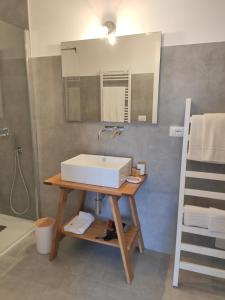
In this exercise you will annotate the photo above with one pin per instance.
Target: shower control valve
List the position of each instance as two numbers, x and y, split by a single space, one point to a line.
19 150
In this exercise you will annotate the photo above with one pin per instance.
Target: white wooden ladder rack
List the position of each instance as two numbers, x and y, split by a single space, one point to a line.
180 246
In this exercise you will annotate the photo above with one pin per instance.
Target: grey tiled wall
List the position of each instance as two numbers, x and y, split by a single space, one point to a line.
16 116
196 71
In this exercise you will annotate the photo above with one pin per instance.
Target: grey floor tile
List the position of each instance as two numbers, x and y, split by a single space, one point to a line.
6 263
84 271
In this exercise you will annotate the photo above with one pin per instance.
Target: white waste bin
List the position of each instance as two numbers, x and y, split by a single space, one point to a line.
43 234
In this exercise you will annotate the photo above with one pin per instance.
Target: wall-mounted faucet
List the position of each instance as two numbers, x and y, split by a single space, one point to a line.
115 130
4 131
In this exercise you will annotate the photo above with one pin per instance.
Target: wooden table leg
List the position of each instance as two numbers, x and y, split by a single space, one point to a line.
120 233
136 222
59 222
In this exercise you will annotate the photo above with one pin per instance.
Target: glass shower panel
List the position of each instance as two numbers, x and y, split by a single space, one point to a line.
15 115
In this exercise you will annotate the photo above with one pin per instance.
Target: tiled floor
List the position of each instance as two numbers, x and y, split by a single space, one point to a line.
85 270
16 229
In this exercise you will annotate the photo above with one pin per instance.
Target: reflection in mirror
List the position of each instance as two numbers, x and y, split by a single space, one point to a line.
1 100
72 94
112 83
1 93
115 96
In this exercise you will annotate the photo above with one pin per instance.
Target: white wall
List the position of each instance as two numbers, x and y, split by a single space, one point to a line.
181 21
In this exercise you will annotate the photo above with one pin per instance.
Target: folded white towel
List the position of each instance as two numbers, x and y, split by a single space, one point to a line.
217 220
196 135
80 223
196 216
213 131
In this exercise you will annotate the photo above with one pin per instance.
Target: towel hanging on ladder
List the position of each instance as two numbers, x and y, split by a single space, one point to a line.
207 138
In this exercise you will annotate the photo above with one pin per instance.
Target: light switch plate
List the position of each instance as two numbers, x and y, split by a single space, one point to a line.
177 131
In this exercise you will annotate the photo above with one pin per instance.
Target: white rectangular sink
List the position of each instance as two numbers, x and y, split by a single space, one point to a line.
100 170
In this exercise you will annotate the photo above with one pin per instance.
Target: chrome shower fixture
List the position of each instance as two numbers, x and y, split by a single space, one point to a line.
4 131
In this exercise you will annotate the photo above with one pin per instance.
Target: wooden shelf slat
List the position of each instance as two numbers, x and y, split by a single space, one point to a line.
97 229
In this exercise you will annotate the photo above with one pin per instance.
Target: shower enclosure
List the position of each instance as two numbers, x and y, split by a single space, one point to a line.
17 168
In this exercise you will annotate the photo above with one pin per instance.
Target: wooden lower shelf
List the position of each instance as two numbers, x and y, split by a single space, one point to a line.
97 229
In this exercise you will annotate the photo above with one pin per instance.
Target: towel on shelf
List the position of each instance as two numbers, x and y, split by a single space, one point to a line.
213 148
196 216
217 220
195 140
80 223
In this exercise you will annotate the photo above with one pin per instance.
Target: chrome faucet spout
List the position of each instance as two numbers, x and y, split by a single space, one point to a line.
99 134
116 130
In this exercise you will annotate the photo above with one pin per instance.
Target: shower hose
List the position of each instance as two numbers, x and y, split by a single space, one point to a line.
18 166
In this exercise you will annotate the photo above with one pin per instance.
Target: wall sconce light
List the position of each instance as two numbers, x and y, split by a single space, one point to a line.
110 31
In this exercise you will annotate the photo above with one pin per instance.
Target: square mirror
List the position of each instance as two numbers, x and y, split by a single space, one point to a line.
112 83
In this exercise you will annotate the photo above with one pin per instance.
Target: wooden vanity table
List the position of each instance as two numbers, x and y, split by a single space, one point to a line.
126 241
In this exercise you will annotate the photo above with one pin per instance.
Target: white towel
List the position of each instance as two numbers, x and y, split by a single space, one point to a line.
196 138
113 99
80 223
217 220
213 149
196 216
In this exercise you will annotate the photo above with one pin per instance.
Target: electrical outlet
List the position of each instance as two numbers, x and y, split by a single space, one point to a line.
177 131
